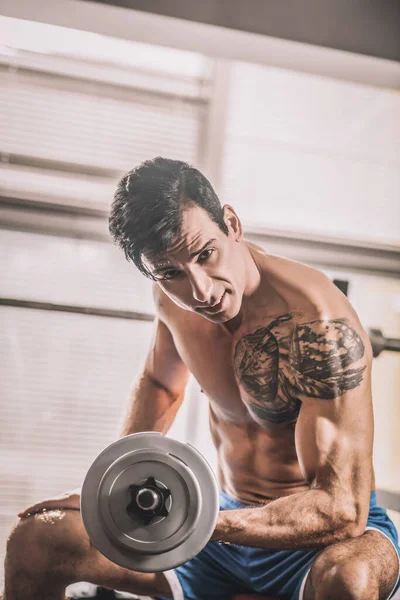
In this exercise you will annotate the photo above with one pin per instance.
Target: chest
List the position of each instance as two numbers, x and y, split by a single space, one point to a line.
245 376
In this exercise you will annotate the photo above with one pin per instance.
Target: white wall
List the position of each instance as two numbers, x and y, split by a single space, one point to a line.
312 154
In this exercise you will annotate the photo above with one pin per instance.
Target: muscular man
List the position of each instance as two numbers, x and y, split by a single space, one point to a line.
286 367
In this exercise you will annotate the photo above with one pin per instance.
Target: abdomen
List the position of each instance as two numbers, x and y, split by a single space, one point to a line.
255 464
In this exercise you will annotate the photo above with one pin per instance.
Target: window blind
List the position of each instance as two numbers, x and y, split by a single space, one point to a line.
65 381
69 127
67 139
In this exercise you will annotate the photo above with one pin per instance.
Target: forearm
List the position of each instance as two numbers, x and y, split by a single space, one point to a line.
303 520
151 408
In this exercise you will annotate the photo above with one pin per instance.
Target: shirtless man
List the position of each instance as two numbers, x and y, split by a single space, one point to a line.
286 366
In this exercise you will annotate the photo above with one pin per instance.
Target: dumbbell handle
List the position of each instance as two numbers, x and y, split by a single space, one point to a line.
148 499
379 342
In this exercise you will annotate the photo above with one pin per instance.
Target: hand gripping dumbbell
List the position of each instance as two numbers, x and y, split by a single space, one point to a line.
149 503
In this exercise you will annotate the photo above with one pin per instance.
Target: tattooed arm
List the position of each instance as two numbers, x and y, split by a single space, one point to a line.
330 363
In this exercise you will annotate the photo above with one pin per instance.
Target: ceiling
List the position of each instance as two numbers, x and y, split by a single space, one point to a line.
351 40
369 27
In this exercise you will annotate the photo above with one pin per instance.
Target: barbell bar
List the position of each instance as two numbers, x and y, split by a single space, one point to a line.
380 343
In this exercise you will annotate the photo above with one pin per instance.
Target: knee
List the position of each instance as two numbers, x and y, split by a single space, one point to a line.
36 543
350 579
22 545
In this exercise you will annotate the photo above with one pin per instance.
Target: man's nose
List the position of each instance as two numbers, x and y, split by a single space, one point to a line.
201 286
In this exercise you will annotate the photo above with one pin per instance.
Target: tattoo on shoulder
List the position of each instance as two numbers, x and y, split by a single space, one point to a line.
324 356
278 362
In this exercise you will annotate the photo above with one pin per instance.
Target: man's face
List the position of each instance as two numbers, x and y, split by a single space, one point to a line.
203 271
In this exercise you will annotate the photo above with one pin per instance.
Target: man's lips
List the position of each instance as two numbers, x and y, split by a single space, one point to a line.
214 307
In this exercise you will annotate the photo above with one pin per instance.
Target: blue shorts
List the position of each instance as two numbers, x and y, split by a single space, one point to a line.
220 570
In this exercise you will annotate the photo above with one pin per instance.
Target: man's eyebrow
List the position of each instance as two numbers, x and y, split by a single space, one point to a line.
191 256
194 254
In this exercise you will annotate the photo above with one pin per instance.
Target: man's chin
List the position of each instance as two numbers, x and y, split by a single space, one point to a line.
220 318
225 313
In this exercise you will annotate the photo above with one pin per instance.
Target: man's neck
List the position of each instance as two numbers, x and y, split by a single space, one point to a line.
252 286
253 276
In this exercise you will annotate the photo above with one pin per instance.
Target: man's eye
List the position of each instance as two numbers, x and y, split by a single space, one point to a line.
205 254
170 274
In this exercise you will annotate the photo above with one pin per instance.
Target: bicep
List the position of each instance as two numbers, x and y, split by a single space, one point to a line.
163 363
334 445
331 373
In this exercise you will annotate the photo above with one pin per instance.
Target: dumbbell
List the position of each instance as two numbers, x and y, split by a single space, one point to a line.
149 503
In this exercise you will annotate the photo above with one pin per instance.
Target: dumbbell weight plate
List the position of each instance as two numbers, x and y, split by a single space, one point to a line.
167 541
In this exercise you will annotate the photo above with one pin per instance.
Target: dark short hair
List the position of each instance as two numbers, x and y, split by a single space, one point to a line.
146 214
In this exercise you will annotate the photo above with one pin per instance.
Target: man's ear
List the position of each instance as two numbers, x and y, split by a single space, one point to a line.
233 223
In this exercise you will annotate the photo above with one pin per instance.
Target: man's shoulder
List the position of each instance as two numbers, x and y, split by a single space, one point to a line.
310 296
305 289
166 309
272 263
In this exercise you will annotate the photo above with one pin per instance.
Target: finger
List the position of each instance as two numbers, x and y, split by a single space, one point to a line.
27 511
47 506
30 511
35 508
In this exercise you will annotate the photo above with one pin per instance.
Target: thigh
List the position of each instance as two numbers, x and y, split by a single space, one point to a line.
216 573
55 543
373 548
